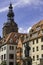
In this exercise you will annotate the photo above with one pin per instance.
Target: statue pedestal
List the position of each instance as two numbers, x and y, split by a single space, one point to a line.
27 61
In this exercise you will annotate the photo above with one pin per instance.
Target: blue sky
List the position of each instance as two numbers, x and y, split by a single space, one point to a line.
27 13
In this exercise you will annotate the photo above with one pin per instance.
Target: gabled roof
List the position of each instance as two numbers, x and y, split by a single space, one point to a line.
13 38
37 24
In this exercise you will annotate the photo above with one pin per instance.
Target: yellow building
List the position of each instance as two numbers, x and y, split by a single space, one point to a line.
35 41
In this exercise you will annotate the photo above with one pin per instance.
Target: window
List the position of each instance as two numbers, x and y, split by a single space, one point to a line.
38 28
37 48
11 63
11 40
1 57
41 47
42 39
11 56
30 35
15 36
37 57
33 58
34 34
42 55
19 50
33 41
4 56
18 57
42 31
11 47
4 48
33 49
36 40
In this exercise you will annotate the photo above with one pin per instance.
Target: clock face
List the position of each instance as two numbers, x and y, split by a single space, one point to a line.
11 40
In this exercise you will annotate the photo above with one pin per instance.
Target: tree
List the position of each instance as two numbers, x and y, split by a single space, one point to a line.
3 63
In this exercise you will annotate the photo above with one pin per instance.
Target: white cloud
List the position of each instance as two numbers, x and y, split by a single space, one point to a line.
22 30
22 3
28 29
3 9
6 8
29 2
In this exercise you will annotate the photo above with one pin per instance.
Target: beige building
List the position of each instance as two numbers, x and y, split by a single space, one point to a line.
35 41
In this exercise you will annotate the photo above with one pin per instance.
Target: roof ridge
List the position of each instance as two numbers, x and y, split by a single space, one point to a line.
8 37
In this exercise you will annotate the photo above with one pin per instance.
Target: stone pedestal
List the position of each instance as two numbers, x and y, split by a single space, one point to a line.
41 61
27 61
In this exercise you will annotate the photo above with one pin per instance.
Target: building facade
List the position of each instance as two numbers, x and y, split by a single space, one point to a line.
7 50
19 48
6 54
35 41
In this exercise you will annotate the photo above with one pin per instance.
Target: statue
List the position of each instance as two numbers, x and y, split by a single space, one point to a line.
27 48
28 60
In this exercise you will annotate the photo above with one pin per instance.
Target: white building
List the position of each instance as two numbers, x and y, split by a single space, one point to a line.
35 41
8 50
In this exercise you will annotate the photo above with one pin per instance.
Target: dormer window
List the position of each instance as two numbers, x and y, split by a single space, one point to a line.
31 30
35 34
42 39
1 49
38 28
24 37
42 26
15 35
42 31
11 40
30 35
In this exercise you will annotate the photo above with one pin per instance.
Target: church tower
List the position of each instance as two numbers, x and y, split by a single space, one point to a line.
10 25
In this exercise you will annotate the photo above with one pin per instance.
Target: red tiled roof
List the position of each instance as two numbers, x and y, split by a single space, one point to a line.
37 24
14 36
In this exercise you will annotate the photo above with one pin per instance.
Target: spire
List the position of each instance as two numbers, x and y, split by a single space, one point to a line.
10 7
10 13
10 25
